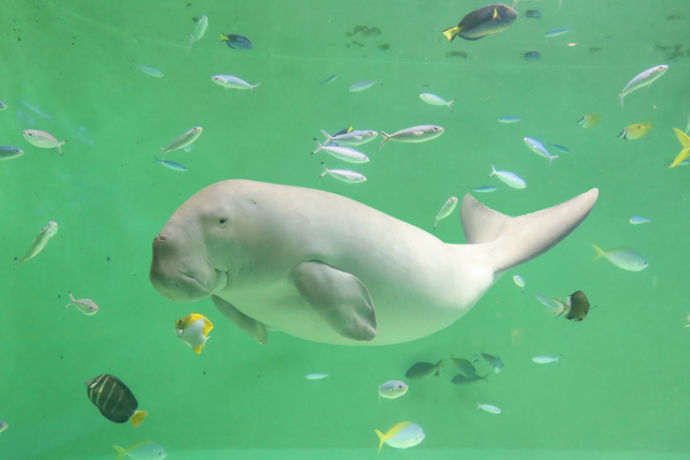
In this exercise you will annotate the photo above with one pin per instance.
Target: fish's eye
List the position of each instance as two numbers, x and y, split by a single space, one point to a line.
222 220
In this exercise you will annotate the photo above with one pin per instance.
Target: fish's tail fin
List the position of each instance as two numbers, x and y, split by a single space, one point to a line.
621 96
683 138
254 86
138 417
551 158
382 439
385 136
450 103
59 146
492 173
451 32
600 252
319 146
121 452
325 169
560 308
329 138
511 241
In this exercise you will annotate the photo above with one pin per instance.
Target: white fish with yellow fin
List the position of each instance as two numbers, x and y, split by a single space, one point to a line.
43 140
193 330
433 99
86 306
146 450
343 175
545 359
200 29
490 408
41 240
642 79
341 152
401 435
351 138
623 258
446 210
231 81
509 178
414 134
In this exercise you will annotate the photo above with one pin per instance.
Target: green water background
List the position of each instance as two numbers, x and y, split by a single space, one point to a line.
621 386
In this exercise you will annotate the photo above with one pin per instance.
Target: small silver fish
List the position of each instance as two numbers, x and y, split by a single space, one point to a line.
43 139
509 119
315 376
352 138
199 30
361 85
342 153
433 99
538 148
446 210
414 134
328 80
343 175
7 152
41 240
485 189
557 32
392 389
231 81
509 178
636 220
86 306
184 140
545 301
491 409
170 164
150 71
519 282
642 79
543 359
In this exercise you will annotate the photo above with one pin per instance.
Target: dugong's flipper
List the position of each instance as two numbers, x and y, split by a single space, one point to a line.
514 240
249 325
340 297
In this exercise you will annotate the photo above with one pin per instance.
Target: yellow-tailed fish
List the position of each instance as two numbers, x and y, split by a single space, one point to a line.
635 131
624 258
401 435
588 120
114 399
642 79
41 240
684 153
146 450
479 23
185 139
193 330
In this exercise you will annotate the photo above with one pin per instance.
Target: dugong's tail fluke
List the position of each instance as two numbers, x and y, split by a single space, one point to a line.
515 240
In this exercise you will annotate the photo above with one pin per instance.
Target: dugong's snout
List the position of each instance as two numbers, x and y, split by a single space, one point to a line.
180 270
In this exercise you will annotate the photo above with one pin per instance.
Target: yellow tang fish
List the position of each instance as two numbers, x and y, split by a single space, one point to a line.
635 131
193 330
588 120
684 140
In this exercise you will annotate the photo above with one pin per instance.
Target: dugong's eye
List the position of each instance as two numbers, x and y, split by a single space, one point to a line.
222 220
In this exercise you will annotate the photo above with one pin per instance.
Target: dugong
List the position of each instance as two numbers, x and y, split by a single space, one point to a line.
326 268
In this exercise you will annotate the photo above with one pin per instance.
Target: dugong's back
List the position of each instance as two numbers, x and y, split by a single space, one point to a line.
282 245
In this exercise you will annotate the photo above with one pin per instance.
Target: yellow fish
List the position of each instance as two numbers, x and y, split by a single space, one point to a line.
684 140
588 120
635 131
193 330
401 435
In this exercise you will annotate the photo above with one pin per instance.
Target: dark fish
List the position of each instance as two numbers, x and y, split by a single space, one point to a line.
236 41
488 20
462 379
495 361
533 14
531 56
579 306
422 369
465 366
113 399
342 131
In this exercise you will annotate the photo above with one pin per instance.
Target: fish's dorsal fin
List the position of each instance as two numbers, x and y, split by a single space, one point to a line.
514 240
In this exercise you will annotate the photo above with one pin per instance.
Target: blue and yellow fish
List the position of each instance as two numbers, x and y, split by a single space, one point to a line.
635 131
488 20
684 140
193 330
588 120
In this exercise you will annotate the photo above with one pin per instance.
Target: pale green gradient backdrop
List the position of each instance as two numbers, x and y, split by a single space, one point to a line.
621 387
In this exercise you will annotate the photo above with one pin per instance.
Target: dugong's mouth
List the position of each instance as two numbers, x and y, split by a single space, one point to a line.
187 286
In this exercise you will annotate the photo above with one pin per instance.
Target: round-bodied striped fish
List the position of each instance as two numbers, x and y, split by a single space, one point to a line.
113 399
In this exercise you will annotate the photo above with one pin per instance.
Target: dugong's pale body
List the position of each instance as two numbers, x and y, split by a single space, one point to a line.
329 269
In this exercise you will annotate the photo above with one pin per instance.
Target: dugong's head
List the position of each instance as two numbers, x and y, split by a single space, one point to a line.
196 248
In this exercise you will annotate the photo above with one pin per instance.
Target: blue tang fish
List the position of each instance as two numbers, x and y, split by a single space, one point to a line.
488 20
236 41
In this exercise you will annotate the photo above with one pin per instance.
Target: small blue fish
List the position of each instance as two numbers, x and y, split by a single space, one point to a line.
328 80
509 119
361 85
557 32
485 189
8 152
170 164
531 56
150 71
236 41
3 106
533 14
495 361
538 148
636 220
